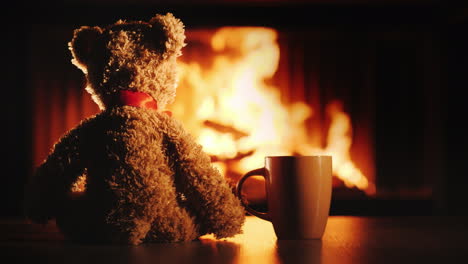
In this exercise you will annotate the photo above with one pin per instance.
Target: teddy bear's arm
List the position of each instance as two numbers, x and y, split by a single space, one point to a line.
217 208
53 179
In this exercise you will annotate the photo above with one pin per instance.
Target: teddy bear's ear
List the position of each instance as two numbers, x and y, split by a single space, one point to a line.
173 30
82 44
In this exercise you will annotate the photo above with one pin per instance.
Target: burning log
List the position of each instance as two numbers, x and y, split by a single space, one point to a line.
237 134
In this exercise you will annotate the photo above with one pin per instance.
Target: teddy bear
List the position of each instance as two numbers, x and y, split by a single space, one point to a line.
144 178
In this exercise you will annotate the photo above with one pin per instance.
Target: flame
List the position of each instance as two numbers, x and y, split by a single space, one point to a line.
339 144
233 110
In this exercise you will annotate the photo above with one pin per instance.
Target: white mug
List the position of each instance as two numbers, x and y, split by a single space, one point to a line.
298 192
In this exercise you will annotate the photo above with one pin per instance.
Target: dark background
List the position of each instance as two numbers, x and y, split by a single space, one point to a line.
401 113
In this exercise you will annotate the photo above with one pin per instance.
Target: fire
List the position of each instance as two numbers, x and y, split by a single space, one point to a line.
338 145
239 118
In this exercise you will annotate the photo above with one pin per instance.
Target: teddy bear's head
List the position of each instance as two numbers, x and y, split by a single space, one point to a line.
135 56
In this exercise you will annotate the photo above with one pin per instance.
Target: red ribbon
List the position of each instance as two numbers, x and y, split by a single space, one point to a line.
136 99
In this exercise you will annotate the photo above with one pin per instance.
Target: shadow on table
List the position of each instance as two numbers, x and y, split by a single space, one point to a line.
203 251
295 251
174 253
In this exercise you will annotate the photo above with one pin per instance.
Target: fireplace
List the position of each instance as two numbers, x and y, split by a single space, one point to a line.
245 94
361 90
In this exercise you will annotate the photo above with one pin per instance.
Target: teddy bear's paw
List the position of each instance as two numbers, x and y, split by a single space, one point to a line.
226 225
172 230
139 232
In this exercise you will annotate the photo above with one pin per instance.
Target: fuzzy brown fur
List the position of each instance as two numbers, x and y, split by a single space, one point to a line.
146 178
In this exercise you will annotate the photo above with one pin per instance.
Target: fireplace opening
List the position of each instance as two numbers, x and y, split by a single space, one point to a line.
245 94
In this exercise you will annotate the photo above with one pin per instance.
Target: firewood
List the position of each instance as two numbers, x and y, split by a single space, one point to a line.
225 129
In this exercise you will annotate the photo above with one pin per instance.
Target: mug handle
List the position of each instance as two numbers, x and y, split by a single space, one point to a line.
257 172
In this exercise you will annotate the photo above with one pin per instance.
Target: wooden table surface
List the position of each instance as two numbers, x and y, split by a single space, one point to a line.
347 239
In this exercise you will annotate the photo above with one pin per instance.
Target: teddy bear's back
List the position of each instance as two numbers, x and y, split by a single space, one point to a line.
128 140
126 154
